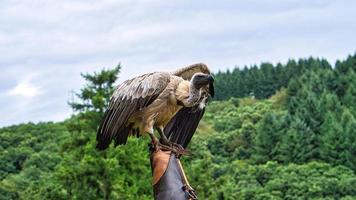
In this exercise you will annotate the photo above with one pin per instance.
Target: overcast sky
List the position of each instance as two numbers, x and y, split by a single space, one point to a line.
45 45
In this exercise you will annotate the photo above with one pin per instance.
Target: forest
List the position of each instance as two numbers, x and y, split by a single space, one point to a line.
273 131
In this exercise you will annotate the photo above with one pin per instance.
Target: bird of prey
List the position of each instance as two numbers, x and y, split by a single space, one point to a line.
171 103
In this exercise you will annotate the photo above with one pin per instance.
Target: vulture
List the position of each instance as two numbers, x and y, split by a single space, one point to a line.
171 103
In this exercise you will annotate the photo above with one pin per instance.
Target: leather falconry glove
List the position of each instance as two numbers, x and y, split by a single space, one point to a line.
169 180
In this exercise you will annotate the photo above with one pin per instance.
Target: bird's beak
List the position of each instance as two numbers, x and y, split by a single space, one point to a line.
211 79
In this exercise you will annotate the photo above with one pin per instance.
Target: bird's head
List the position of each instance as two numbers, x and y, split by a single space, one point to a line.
200 80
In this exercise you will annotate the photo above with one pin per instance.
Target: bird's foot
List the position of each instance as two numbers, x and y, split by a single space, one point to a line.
157 145
177 146
174 147
179 149
164 147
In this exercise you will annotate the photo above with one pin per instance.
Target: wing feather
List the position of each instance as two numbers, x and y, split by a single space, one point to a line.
182 127
188 72
128 98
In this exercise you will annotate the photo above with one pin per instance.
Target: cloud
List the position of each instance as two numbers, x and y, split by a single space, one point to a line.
25 89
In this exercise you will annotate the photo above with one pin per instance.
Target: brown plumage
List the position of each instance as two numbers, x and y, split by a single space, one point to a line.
148 102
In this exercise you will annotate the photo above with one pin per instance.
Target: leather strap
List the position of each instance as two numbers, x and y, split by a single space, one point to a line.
186 186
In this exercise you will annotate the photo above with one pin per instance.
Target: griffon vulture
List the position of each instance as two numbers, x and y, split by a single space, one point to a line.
171 103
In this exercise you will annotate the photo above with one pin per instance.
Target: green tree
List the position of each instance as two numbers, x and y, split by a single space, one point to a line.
293 144
333 140
349 124
268 138
94 97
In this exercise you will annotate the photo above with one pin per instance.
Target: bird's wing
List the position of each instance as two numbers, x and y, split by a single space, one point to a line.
183 125
128 98
187 72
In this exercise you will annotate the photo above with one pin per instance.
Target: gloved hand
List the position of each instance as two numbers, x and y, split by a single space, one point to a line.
169 181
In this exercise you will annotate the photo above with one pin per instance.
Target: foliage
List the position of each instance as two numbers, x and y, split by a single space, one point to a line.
264 80
94 97
299 143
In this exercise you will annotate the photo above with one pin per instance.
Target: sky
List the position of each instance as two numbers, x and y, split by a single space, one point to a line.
46 44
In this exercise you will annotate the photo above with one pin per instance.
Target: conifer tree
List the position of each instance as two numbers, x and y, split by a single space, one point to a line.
267 138
349 147
333 139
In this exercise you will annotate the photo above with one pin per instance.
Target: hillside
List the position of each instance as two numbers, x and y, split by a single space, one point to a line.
295 140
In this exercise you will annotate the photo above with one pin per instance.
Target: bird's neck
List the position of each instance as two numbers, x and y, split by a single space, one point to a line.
194 96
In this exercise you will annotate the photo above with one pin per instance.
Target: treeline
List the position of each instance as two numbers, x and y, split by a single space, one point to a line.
264 80
320 122
315 120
